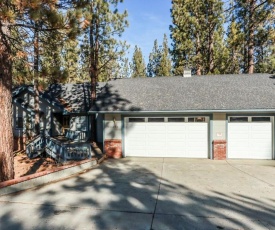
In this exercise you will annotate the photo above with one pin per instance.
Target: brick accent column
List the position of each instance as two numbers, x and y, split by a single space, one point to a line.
219 149
113 148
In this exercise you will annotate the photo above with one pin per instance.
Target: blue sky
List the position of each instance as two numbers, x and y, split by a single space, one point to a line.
149 20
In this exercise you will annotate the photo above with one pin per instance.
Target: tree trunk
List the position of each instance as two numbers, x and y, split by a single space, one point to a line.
6 134
251 37
211 51
198 54
93 65
35 87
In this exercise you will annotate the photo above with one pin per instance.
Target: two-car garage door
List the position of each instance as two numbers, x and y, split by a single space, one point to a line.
167 137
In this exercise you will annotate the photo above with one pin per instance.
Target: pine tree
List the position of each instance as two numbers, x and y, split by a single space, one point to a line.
221 54
103 24
138 64
253 16
154 61
234 43
126 71
165 66
18 22
265 51
187 35
193 34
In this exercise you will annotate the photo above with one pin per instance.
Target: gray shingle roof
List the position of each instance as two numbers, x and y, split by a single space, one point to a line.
75 98
219 92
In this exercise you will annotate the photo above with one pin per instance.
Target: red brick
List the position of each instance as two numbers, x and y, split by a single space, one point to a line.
113 148
219 149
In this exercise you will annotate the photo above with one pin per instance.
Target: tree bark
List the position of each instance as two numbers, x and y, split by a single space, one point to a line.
198 54
6 133
211 52
35 87
251 37
94 46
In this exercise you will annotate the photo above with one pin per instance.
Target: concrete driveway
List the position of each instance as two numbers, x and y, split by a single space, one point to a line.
151 193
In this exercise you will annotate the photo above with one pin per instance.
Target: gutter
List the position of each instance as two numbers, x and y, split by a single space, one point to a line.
189 111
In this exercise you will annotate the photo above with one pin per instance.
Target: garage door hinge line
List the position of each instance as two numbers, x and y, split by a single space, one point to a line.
271 185
151 228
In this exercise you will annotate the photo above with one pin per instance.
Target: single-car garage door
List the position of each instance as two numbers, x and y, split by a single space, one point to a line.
250 137
166 137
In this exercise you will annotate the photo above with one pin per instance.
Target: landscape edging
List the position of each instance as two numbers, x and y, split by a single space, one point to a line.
38 179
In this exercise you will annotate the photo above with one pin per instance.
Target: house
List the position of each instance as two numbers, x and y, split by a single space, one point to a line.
64 121
215 117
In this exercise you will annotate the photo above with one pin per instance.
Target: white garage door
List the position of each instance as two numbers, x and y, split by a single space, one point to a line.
166 137
250 137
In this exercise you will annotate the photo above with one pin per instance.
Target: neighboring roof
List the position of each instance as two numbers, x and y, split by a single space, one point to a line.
17 91
71 98
216 92
74 98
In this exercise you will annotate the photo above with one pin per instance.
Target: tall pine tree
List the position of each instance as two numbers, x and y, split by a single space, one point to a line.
154 61
18 22
138 64
193 32
165 66
255 18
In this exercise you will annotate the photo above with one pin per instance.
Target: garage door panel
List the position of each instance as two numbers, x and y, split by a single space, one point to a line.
155 136
156 144
197 135
180 128
260 127
156 128
138 148
196 127
195 147
176 147
176 136
136 153
136 127
261 135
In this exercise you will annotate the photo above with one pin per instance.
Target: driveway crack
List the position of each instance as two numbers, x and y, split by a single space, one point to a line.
271 185
151 227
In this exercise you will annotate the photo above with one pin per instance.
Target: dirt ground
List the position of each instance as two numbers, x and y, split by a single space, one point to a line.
24 166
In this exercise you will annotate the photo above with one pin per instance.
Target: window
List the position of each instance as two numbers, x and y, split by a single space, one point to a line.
200 119
155 119
196 119
136 119
238 119
19 123
260 119
176 119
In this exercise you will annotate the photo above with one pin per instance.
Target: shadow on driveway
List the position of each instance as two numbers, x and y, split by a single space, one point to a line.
145 194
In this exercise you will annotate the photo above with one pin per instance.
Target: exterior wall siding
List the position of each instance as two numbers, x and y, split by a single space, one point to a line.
219 126
99 126
112 126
